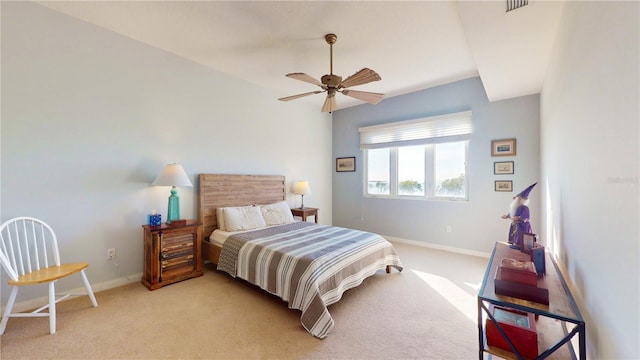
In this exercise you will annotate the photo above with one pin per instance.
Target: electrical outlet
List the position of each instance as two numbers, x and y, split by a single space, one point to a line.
448 228
111 254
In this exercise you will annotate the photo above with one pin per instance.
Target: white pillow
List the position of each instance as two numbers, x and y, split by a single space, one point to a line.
277 213
220 219
243 218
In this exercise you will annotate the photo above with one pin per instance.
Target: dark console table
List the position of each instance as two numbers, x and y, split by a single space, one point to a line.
556 323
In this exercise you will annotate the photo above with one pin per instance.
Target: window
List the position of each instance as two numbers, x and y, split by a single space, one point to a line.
418 159
450 170
378 173
411 173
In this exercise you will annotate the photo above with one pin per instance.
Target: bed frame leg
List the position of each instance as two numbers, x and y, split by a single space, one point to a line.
388 269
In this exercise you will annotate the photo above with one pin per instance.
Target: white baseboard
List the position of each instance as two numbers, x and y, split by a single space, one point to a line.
438 247
106 285
110 284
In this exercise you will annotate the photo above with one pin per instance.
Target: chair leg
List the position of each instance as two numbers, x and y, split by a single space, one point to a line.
89 290
8 309
52 307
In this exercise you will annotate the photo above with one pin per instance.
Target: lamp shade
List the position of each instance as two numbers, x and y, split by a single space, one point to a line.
302 188
172 175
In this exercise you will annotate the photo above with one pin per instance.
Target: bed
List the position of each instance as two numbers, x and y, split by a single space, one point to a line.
307 265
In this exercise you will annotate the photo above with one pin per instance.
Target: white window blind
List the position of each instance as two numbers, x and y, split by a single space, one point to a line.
429 130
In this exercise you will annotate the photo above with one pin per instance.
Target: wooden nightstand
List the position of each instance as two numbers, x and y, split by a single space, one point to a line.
303 213
171 253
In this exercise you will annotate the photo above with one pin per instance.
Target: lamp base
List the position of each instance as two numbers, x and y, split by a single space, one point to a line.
173 211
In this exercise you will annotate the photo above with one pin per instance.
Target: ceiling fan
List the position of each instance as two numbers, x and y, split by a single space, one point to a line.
331 84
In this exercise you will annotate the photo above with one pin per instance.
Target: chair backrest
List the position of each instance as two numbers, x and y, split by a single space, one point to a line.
27 244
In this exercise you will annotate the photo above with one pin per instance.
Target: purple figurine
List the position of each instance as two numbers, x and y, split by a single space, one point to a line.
519 213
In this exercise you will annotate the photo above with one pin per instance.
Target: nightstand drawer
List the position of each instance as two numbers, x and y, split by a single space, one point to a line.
173 263
172 238
177 253
177 246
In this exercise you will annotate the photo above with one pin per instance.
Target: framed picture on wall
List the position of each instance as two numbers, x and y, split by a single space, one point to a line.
346 164
503 167
503 185
505 147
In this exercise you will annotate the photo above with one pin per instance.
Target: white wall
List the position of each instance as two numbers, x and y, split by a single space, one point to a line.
89 119
475 224
590 156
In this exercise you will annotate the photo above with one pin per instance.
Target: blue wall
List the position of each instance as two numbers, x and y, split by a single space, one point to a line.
475 224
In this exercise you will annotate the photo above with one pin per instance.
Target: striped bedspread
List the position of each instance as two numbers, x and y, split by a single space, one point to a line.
308 265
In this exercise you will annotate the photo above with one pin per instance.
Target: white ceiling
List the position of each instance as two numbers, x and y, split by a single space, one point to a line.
413 45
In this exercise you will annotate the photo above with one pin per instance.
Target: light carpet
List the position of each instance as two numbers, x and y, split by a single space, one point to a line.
426 312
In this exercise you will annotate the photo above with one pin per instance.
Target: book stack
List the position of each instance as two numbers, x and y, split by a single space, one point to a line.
519 279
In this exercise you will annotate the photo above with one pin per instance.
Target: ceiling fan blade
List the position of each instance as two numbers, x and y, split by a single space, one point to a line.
363 76
292 97
329 104
304 77
370 97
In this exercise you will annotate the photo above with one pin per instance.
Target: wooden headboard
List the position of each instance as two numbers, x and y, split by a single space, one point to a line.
221 190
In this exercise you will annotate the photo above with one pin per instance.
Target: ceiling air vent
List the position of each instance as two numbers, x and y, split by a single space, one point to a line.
514 4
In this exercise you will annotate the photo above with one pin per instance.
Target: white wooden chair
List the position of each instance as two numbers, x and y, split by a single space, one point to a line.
29 254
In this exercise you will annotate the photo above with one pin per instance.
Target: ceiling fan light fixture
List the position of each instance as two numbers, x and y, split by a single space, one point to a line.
329 103
331 83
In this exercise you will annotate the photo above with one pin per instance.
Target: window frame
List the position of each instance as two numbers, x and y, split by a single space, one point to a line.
428 132
429 176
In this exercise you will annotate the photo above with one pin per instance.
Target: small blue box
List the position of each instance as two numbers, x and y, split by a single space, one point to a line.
538 259
154 219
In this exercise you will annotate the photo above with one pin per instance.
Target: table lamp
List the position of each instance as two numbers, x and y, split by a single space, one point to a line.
302 188
173 175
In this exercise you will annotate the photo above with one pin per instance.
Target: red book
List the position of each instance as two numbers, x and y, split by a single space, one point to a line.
520 291
523 272
519 327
